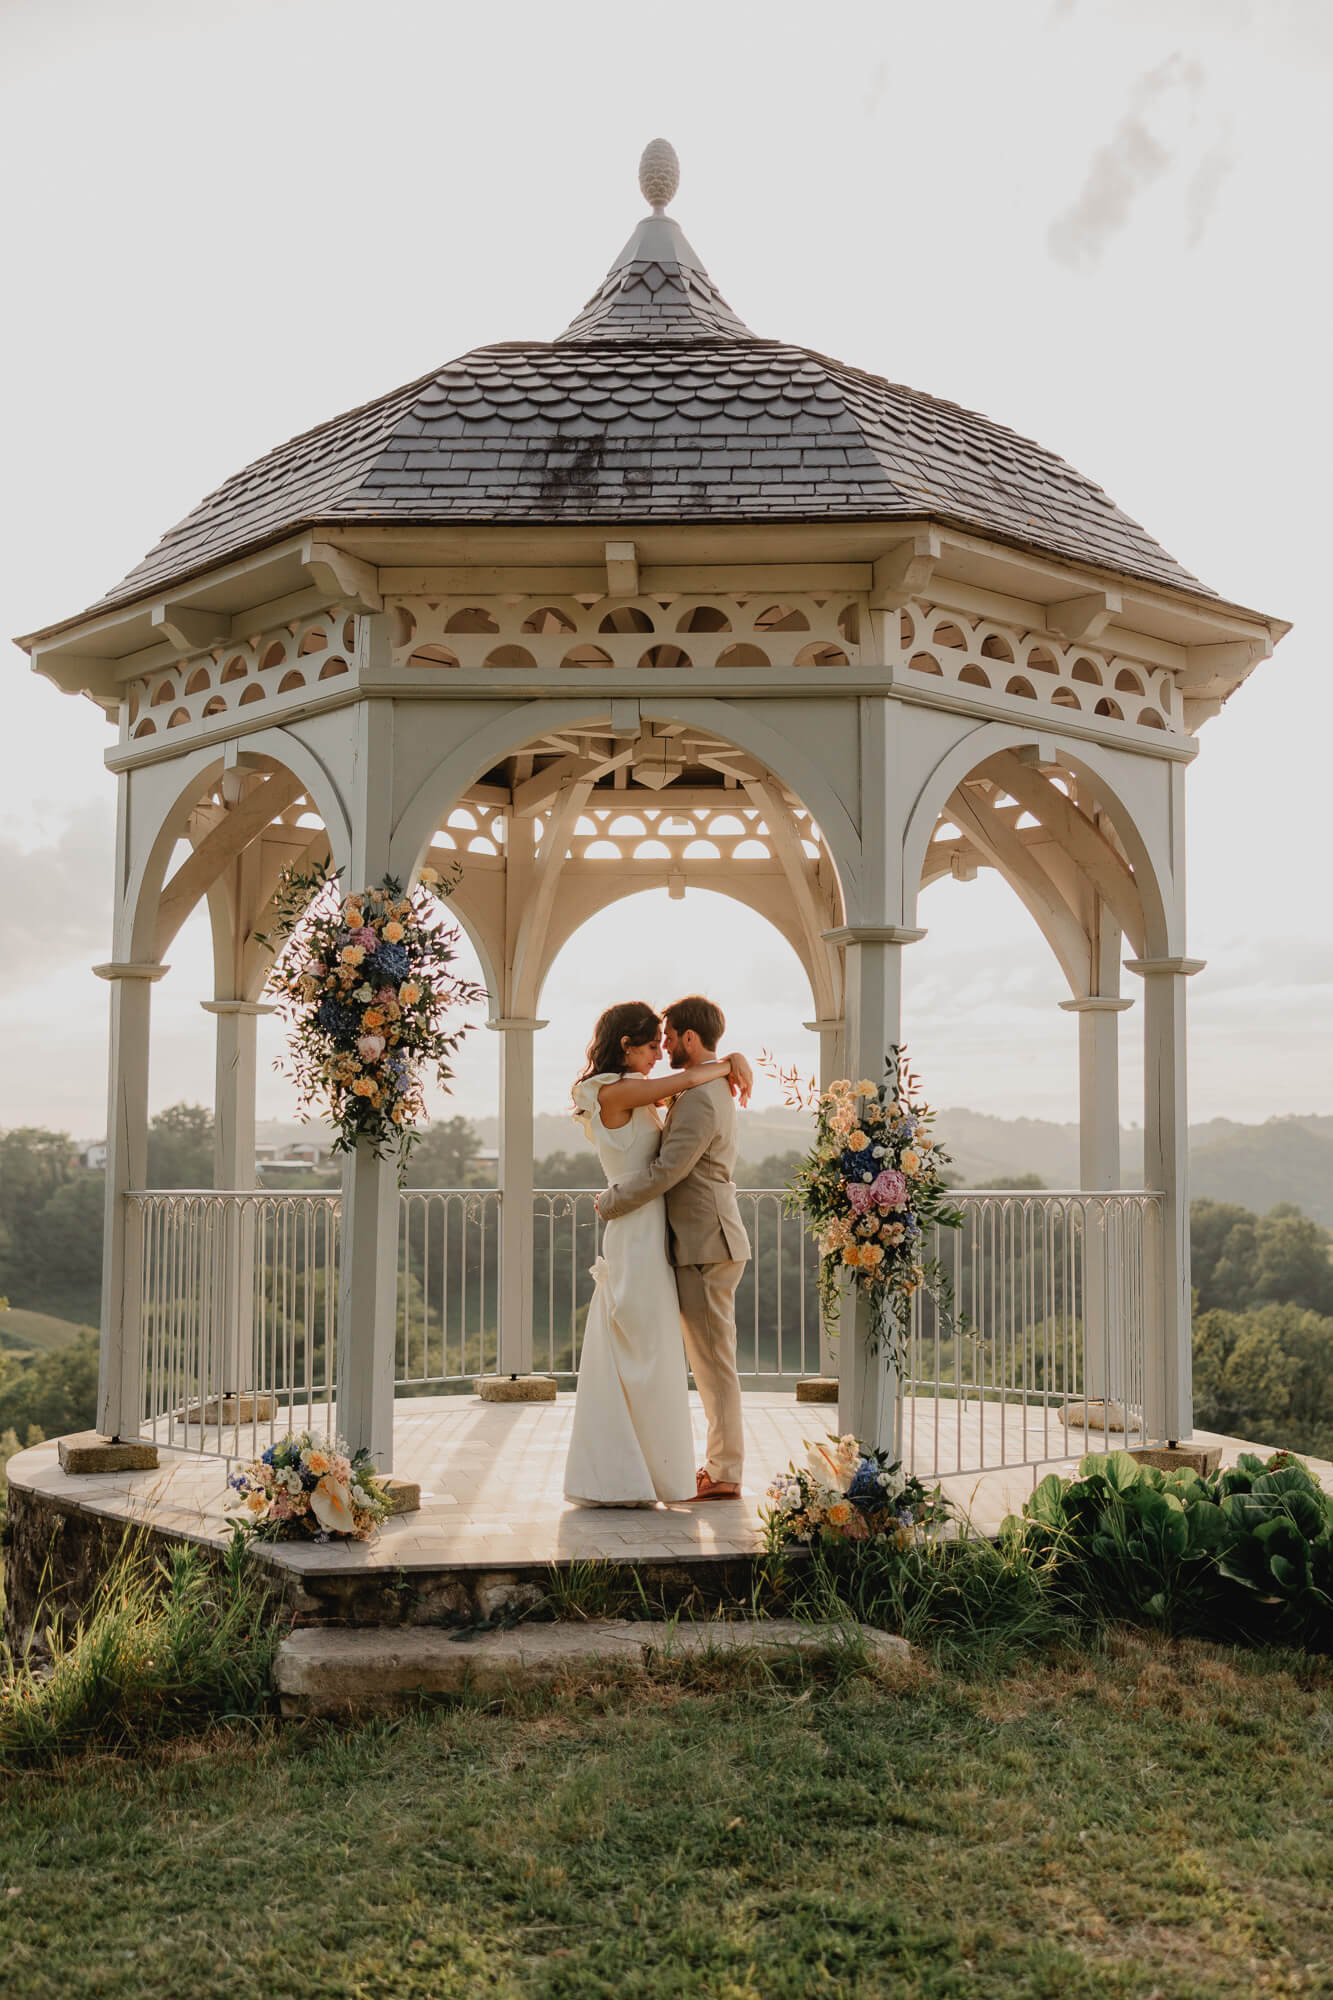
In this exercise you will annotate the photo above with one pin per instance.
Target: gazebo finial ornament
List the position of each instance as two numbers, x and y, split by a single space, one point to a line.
659 174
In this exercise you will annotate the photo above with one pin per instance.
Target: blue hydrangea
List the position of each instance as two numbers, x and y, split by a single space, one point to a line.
865 1485
268 1455
389 962
336 1019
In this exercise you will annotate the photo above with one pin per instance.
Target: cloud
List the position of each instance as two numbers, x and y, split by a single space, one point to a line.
1132 159
56 909
1205 185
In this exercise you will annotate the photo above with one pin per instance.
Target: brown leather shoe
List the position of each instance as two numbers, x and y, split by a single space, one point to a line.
713 1489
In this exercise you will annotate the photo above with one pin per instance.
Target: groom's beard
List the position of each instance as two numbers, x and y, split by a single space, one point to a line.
678 1058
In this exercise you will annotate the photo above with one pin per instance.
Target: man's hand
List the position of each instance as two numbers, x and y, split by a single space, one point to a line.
741 1080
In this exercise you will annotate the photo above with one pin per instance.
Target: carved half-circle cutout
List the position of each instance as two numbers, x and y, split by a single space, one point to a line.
821 654
782 618
974 677
1150 719
290 682
1063 697
951 636
513 657
627 618
198 682
993 647
743 656
704 618
1041 660
548 619
472 618
587 655
1128 682
349 635
274 656
849 623
253 693
215 705
178 718
146 728
432 656
313 641
235 669
1110 708
332 667
923 663
652 850
164 692
1021 687
1086 670
665 656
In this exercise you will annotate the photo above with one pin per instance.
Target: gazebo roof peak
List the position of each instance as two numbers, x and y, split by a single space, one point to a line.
657 289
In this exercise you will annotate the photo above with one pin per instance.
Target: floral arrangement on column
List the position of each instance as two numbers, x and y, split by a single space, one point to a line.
366 987
871 1189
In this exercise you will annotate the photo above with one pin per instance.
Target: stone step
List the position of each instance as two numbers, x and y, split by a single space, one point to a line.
325 1670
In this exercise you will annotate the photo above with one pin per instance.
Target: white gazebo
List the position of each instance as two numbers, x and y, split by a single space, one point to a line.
656 603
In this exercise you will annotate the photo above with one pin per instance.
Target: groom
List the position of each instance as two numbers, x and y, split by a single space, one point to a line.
706 1237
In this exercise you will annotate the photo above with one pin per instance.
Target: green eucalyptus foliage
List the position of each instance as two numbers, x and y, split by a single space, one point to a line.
1246 1553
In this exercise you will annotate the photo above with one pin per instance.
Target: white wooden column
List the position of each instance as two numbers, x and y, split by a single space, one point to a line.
516 1228
831 1035
368 1280
119 1385
1099 1170
1168 1385
234 1169
868 1382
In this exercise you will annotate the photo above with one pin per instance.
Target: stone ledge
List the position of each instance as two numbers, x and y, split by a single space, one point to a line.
88 1452
516 1388
404 1495
321 1671
1200 1458
817 1389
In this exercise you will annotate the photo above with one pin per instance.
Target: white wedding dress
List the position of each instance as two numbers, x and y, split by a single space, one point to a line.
631 1443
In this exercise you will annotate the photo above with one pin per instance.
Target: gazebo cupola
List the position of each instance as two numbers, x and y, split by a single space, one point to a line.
658 602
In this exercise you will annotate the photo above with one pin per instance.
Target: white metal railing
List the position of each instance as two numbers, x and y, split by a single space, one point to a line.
1054 1294
238 1315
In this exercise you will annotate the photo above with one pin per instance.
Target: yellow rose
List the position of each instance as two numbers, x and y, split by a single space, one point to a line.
910 1163
840 1513
351 954
393 932
867 1089
409 993
316 1461
858 1140
363 1087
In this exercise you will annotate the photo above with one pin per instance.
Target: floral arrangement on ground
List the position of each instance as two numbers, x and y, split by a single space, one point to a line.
847 1492
365 986
871 1190
309 1488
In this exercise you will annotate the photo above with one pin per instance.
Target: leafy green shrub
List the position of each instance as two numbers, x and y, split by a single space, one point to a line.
1246 1553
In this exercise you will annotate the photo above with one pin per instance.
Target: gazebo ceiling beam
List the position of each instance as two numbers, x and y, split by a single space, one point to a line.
996 838
785 842
528 962
531 796
1079 837
244 823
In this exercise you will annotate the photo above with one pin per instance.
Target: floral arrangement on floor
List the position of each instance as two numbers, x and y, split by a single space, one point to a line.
312 1488
871 1189
365 985
847 1493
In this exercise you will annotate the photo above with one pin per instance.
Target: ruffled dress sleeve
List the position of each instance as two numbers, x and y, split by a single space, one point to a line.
588 1114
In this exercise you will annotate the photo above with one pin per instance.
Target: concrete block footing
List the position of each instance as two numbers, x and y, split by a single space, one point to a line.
1200 1458
817 1389
89 1451
1093 1415
404 1495
324 1670
245 1408
516 1388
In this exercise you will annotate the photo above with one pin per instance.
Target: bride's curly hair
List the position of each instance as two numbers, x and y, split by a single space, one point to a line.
632 1021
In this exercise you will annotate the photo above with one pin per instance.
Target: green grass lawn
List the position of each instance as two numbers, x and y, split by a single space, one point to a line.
1154 1822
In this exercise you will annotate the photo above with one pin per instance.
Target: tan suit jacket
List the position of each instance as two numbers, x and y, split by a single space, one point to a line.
693 1169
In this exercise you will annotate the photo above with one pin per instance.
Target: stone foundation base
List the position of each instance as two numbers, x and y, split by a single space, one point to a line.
1200 1458
817 1389
89 1451
516 1388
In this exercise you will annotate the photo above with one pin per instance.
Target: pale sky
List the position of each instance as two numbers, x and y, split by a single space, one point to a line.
1104 225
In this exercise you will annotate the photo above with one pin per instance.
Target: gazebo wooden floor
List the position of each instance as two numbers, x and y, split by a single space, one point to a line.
491 1475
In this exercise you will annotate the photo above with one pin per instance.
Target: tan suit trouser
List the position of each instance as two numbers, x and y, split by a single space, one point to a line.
708 1319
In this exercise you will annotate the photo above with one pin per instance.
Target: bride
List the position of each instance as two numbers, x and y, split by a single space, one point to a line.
632 1443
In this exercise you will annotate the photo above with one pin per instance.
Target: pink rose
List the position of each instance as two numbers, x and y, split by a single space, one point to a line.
887 1190
370 1048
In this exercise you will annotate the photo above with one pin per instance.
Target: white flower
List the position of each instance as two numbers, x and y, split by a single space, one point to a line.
828 1468
331 1504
